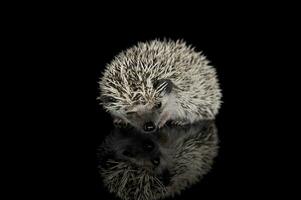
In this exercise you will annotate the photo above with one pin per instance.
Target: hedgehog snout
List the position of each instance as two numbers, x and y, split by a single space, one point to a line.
149 126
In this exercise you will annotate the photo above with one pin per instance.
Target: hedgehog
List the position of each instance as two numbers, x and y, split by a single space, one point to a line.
154 166
160 81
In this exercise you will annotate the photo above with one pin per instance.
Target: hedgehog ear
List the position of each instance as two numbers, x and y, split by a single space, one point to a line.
166 85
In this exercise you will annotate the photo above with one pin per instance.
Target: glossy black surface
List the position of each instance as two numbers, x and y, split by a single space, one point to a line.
137 165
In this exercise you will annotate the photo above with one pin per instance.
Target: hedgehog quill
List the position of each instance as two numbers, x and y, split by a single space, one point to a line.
158 81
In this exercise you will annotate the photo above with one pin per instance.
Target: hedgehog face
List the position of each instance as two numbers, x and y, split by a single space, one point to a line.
154 114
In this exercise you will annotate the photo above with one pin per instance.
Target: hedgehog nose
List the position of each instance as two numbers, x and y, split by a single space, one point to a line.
149 126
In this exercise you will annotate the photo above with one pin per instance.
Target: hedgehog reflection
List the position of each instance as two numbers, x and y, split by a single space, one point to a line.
153 166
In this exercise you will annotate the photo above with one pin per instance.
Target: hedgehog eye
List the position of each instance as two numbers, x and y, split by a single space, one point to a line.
158 105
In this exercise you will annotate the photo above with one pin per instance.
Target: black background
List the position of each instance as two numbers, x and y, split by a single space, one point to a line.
70 53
